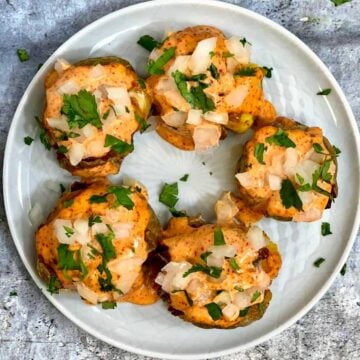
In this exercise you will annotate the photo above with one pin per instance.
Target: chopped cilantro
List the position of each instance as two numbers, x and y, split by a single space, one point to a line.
118 145
177 213
54 285
13 293
94 219
62 149
289 196
169 195
44 138
300 178
205 255
336 150
211 53
246 71
343 270
39 66
106 305
148 42
227 54
262 308
244 41
97 199
143 124
156 67
142 83
105 241
325 229
214 71
233 263
305 187
339 2
122 195
318 148
324 92
106 114
214 310
68 203
62 188
81 109
68 231
244 312
218 237
259 152
184 178
268 71
66 260
22 55
238 288
212 271
255 295
318 262
28 140
281 138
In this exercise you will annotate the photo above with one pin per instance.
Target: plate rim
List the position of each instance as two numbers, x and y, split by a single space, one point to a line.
208 3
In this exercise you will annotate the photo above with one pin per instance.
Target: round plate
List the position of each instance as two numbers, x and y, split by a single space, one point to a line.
30 172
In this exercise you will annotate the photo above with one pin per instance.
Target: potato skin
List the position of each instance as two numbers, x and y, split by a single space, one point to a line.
110 163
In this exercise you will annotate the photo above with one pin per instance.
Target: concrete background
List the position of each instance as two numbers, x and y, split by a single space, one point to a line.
30 327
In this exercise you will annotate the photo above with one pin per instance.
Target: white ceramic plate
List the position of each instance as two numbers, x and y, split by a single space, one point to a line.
298 74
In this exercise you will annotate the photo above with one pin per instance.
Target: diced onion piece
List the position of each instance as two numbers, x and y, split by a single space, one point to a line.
306 197
86 293
231 65
291 160
274 182
241 53
60 124
175 119
76 153
242 300
120 97
309 215
200 59
225 209
36 214
99 228
173 279
215 117
223 250
155 54
126 281
122 230
89 130
181 63
223 298
276 167
256 238
214 260
230 312
305 169
194 117
314 156
123 266
98 95
263 280
246 180
69 87
97 71
237 96
62 235
206 136
61 65
82 230
53 185
167 87
96 148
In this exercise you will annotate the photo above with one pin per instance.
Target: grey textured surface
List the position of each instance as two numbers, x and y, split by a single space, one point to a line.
30 327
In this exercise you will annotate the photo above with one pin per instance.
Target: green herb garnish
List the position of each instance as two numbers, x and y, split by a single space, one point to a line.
289 195
106 305
143 124
246 71
105 241
239 288
97 199
94 220
268 72
44 138
28 140
122 195
343 270
205 255
156 67
281 138
22 55
259 152
212 271
54 285
261 308
318 262
214 311
184 178
218 237
118 145
255 295
233 263
13 293
148 42
169 195
62 188
227 54
68 231
68 203
339 2
244 312
244 42
62 149
325 229
324 92
214 71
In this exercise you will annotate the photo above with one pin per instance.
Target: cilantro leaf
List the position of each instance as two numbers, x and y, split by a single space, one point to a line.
324 92
66 260
68 231
177 213
239 288
205 255
268 71
259 152
214 311
261 307
44 138
106 305
212 271
289 196
68 203
62 149
143 124
184 178
281 138
343 270
218 237
244 41
318 148
233 263
156 67
325 229
246 71
122 195
255 295
169 195
336 150
148 42
28 140
97 199
318 262
54 285
81 109
22 55
105 241
141 83
244 312
214 71
94 219
118 145
339 2
227 54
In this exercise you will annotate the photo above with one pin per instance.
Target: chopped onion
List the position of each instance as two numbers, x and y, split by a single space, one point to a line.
76 153
62 235
86 293
82 230
214 260
231 65
97 71
223 298
276 167
263 280
306 197
206 136
61 65
173 279
194 117
120 97
36 214
241 52
89 130
180 63
52 185
155 54
126 281
215 117
60 124
230 312
246 180
69 87
256 238
237 96
96 148
274 182
200 59
314 156
122 230
175 119
305 169
309 215
123 266
99 228
225 209
222 250
242 300
291 160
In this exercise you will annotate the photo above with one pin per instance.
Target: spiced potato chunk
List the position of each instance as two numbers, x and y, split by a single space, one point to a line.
97 241
92 110
203 83
288 171
217 276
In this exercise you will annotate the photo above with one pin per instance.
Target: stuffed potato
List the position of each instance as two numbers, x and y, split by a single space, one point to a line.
92 110
217 276
288 171
97 241
201 84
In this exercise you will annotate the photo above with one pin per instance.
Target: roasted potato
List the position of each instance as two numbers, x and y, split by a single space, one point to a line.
217 276
201 84
97 241
288 171
92 110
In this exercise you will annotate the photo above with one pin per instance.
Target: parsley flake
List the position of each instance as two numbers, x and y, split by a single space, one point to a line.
118 145
214 71
13 293
94 220
54 285
68 231
184 178
255 295
218 237
148 42
143 124
169 195
244 312
325 229
259 152
106 305
339 2
246 71
324 92
244 42
156 67
122 195
318 262
214 311
28 140
105 241
22 55
97 199
233 263
343 270
44 137
281 138
212 271
289 195
68 203
268 71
